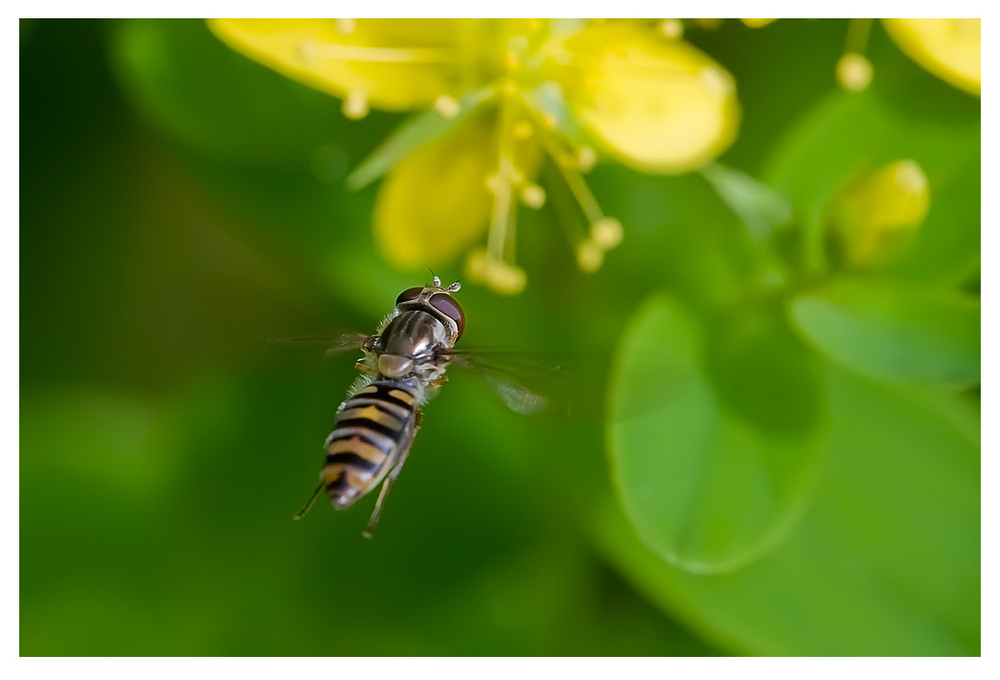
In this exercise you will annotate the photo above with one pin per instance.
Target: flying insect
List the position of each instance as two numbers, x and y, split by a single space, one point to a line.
403 368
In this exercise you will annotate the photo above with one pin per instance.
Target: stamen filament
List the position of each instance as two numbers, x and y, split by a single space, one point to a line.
582 194
501 219
500 243
857 36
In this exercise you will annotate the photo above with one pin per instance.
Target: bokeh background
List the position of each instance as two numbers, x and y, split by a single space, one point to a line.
750 451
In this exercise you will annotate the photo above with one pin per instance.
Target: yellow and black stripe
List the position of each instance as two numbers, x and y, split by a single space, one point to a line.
374 428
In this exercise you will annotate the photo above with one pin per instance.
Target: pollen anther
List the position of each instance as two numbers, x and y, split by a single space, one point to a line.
589 256
607 233
854 72
356 104
533 196
447 106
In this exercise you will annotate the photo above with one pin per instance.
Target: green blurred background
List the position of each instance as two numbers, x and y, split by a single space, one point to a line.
181 204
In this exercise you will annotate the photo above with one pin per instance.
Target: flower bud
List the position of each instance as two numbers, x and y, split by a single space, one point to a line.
878 214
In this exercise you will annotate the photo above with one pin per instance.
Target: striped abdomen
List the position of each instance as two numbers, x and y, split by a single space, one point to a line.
374 428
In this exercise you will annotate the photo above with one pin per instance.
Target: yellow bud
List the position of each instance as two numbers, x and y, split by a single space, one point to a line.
879 214
533 196
854 72
589 256
606 233
756 23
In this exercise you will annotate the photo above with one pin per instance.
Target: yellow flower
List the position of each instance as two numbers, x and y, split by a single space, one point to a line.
499 98
948 48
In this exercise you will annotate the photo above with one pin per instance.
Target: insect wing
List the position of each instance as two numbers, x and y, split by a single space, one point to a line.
518 398
328 346
348 342
506 373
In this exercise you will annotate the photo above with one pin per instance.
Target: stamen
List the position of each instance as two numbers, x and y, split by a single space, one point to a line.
500 276
589 256
496 266
533 196
857 35
501 184
582 194
672 28
447 106
607 233
854 70
355 105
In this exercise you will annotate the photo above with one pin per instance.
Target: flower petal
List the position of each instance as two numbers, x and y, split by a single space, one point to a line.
434 204
948 48
658 105
392 64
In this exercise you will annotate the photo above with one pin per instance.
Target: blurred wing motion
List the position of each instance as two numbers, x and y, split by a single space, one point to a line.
517 398
329 346
506 373
347 342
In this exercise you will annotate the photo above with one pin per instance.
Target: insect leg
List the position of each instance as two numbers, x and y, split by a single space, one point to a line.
389 479
312 499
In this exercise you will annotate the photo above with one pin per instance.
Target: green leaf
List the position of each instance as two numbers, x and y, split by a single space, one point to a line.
712 471
886 560
759 207
411 135
894 333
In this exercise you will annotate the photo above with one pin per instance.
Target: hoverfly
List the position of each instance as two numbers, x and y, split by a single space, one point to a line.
403 368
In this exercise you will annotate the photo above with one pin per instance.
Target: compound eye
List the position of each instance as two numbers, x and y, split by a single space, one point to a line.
409 295
448 306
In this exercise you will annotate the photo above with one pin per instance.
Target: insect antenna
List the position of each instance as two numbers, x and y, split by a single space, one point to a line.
434 277
312 499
